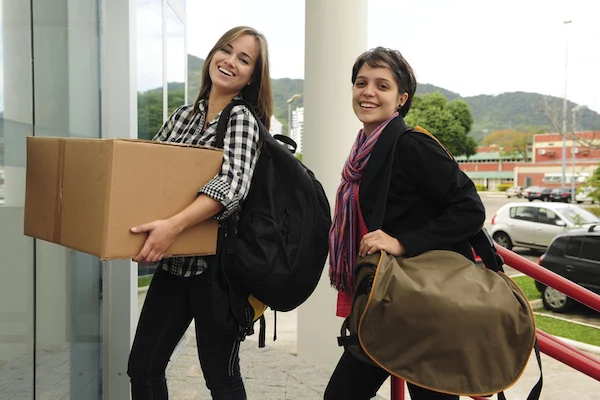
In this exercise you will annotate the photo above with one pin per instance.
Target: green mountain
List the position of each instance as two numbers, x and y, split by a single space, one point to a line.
519 110
426 88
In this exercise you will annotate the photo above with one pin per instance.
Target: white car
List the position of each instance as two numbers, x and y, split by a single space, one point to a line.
534 225
514 191
584 195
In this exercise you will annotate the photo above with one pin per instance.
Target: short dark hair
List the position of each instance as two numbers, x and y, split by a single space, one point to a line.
381 57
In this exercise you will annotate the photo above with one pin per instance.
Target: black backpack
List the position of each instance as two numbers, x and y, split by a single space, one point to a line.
276 244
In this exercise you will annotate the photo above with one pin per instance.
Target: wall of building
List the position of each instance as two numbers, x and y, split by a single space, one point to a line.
67 319
549 147
50 297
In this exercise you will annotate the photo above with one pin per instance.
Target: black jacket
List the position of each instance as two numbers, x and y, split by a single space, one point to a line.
432 204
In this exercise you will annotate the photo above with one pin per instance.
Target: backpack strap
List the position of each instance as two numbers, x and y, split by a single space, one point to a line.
224 119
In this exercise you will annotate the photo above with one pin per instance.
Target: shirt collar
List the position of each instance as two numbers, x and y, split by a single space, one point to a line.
202 104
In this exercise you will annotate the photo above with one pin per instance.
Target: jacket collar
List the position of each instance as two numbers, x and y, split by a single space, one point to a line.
381 150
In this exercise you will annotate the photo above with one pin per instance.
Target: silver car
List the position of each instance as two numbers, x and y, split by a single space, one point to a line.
514 191
534 225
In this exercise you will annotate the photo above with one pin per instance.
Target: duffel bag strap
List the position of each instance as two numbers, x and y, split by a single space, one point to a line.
346 339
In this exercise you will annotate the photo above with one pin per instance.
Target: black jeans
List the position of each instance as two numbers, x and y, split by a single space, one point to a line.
171 304
357 380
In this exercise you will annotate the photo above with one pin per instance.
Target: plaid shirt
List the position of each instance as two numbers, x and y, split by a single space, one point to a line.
230 186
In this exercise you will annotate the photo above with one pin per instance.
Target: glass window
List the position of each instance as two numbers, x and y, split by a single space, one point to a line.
578 216
522 213
574 246
149 67
558 246
68 335
590 248
16 250
546 216
176 59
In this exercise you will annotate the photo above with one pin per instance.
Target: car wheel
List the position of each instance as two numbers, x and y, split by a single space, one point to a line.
556 301
503 240
530 199
540 286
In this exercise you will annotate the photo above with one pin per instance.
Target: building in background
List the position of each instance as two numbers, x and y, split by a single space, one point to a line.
489 167
298 127
276 126
582 158
543 166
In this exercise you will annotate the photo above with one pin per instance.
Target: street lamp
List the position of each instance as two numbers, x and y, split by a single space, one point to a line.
564 124
574 149
290 101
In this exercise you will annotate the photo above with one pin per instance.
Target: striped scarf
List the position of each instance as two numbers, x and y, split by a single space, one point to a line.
343 246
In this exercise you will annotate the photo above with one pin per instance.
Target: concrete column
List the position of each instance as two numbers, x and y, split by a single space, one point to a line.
336 33
119 119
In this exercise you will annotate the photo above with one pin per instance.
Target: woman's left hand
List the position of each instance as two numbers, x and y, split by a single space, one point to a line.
379 240
161 235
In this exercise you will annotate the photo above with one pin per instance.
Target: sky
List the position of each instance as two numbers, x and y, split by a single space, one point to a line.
470 47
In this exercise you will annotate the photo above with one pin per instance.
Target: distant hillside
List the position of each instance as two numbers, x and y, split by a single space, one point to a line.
426 88
524 111
284 89
518 110
194 76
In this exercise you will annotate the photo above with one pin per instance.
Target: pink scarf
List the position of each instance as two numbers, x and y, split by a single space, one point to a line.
343 234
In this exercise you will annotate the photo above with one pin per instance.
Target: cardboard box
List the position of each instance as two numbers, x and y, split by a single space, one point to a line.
86 194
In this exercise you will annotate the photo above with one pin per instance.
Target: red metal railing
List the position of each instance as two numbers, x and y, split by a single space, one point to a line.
548 344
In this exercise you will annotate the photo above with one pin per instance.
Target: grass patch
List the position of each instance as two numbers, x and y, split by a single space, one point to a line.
527 285
568 330
594 210
144 280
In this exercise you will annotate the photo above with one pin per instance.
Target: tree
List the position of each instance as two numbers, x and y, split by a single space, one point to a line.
554 111
150 113
511 142
449 121
594 181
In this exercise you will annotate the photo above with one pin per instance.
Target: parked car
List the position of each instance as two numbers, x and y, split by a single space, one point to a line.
560 194
584 195
514 191
538 193
534 225
574 255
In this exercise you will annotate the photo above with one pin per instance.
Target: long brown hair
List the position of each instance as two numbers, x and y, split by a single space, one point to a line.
259 93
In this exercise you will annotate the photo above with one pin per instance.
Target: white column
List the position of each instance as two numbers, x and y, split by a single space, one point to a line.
119 119
336 33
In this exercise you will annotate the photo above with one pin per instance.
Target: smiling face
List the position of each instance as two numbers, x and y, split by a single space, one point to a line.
375 96
231 66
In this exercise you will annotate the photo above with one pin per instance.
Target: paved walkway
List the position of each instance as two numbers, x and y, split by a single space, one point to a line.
276 373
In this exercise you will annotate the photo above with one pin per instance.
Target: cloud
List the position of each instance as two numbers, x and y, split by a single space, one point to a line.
468 46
